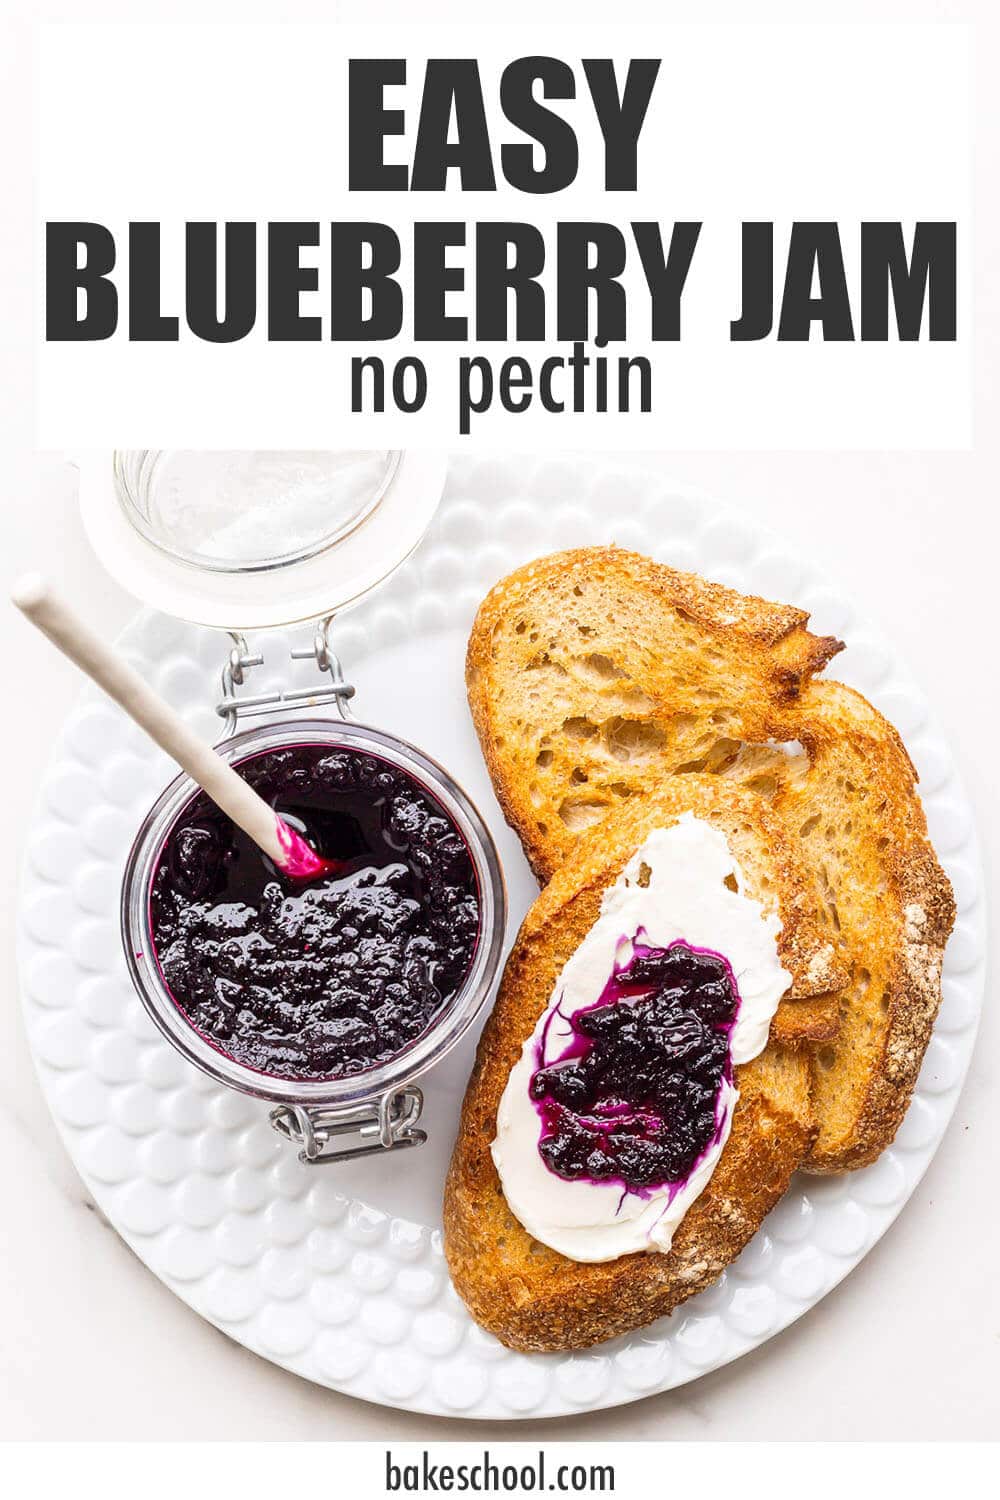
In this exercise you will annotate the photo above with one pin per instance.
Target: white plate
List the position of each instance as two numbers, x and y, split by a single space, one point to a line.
337 1273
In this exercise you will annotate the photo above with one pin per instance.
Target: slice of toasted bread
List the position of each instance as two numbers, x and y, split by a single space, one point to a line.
861 829
531 1297
594 675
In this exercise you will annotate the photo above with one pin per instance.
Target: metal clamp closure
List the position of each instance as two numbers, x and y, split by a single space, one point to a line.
234 706
329 1133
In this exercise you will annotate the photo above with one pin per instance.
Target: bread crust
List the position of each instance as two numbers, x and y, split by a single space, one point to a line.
529 1296
896 910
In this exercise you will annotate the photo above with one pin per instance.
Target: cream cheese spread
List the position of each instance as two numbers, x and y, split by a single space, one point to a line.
683 885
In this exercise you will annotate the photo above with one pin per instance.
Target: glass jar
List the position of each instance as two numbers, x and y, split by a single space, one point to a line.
366 1112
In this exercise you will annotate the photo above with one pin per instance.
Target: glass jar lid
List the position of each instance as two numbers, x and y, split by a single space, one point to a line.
239 511
248 540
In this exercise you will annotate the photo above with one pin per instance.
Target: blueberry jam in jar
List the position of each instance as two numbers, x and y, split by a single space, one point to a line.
327 978
633 1097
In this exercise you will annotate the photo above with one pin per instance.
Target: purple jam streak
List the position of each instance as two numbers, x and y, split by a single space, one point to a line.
633 1097
324 976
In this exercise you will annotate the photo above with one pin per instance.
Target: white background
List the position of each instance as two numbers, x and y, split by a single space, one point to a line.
92 1346
752 122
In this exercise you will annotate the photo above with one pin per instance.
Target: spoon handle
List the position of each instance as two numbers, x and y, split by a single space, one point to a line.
54 618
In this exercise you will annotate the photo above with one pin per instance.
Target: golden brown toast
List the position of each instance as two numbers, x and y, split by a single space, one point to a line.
531 1297
595 675
861 829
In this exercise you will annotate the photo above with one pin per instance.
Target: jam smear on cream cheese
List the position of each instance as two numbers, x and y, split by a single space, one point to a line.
617 1112
633 1099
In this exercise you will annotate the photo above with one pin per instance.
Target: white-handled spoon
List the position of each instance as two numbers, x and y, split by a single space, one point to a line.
288 849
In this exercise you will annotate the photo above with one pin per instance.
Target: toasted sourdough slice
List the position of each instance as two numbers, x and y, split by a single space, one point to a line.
607 721
595 673
529 1296
851 803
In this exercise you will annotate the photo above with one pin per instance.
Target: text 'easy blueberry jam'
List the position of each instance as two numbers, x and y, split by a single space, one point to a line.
331 977
633 1098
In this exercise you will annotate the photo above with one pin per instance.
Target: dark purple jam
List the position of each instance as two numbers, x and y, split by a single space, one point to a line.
327 978
633 1098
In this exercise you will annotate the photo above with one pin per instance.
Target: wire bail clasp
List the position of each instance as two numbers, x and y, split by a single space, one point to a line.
340 1133
234 706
